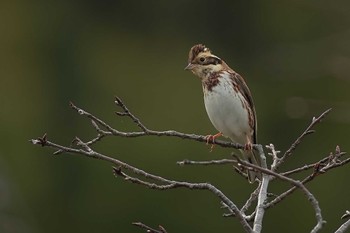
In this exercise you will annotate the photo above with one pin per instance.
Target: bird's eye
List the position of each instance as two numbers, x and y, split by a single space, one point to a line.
202 59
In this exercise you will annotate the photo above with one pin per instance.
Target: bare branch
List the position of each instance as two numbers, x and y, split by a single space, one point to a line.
215 162
345 226
297 184
206 163
40 140
251 199
346 215
299 169
126 112
274 156
307 131
319 163
321 167
160 183
110 131
149 229
260 210
167 184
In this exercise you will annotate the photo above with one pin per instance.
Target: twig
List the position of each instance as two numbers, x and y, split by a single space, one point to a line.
103 129
109 130
297 184
273 153
126 112
206 163
149 229
307 131
313 165
346 215
345 226
87 151
251 199
321 167
299 169
215 162
260 210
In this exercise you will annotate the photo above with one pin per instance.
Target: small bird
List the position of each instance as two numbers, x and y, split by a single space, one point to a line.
228 102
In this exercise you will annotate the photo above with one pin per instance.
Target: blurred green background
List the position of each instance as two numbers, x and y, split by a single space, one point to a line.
294 55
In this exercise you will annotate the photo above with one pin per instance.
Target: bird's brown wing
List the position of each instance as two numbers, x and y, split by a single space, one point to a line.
239 81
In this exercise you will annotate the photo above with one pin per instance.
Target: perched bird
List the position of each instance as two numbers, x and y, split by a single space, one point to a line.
228 102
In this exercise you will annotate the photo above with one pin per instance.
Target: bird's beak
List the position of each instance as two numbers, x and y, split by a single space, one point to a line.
190 66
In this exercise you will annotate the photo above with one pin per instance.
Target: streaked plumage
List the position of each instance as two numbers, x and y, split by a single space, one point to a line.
227 99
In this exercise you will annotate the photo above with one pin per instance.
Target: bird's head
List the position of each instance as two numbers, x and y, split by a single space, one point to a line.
202 62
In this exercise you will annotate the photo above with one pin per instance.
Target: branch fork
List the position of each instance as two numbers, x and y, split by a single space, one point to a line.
252 222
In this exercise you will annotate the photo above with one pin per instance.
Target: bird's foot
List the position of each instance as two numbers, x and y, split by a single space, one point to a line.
211 138
248 146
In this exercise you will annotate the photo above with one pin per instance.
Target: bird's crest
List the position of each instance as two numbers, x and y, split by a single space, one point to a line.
197 49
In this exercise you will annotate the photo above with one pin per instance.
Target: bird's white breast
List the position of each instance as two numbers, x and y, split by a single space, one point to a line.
226 110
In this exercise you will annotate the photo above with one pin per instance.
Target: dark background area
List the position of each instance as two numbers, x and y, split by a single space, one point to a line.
294 55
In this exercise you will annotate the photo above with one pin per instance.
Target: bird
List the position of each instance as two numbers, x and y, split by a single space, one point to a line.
228 103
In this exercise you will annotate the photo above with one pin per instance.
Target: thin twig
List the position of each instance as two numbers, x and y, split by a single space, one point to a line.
215 162
206 163
126 112
346 215
251 199
274 154
320 168
297 184
110 131
149 229
307 131
103 129
313 165
344 227
87 151
299 169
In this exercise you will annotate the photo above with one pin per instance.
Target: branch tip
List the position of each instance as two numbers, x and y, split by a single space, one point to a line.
328 110
307 131
346 215
118 101
75 140
117 171
40 140
337 150
57 152
71 104
162 229
121 113
310 131
95 125
149 229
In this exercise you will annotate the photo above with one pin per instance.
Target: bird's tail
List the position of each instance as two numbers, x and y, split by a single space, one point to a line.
252 157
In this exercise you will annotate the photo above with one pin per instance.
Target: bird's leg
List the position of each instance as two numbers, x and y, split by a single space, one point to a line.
248 146
211 138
